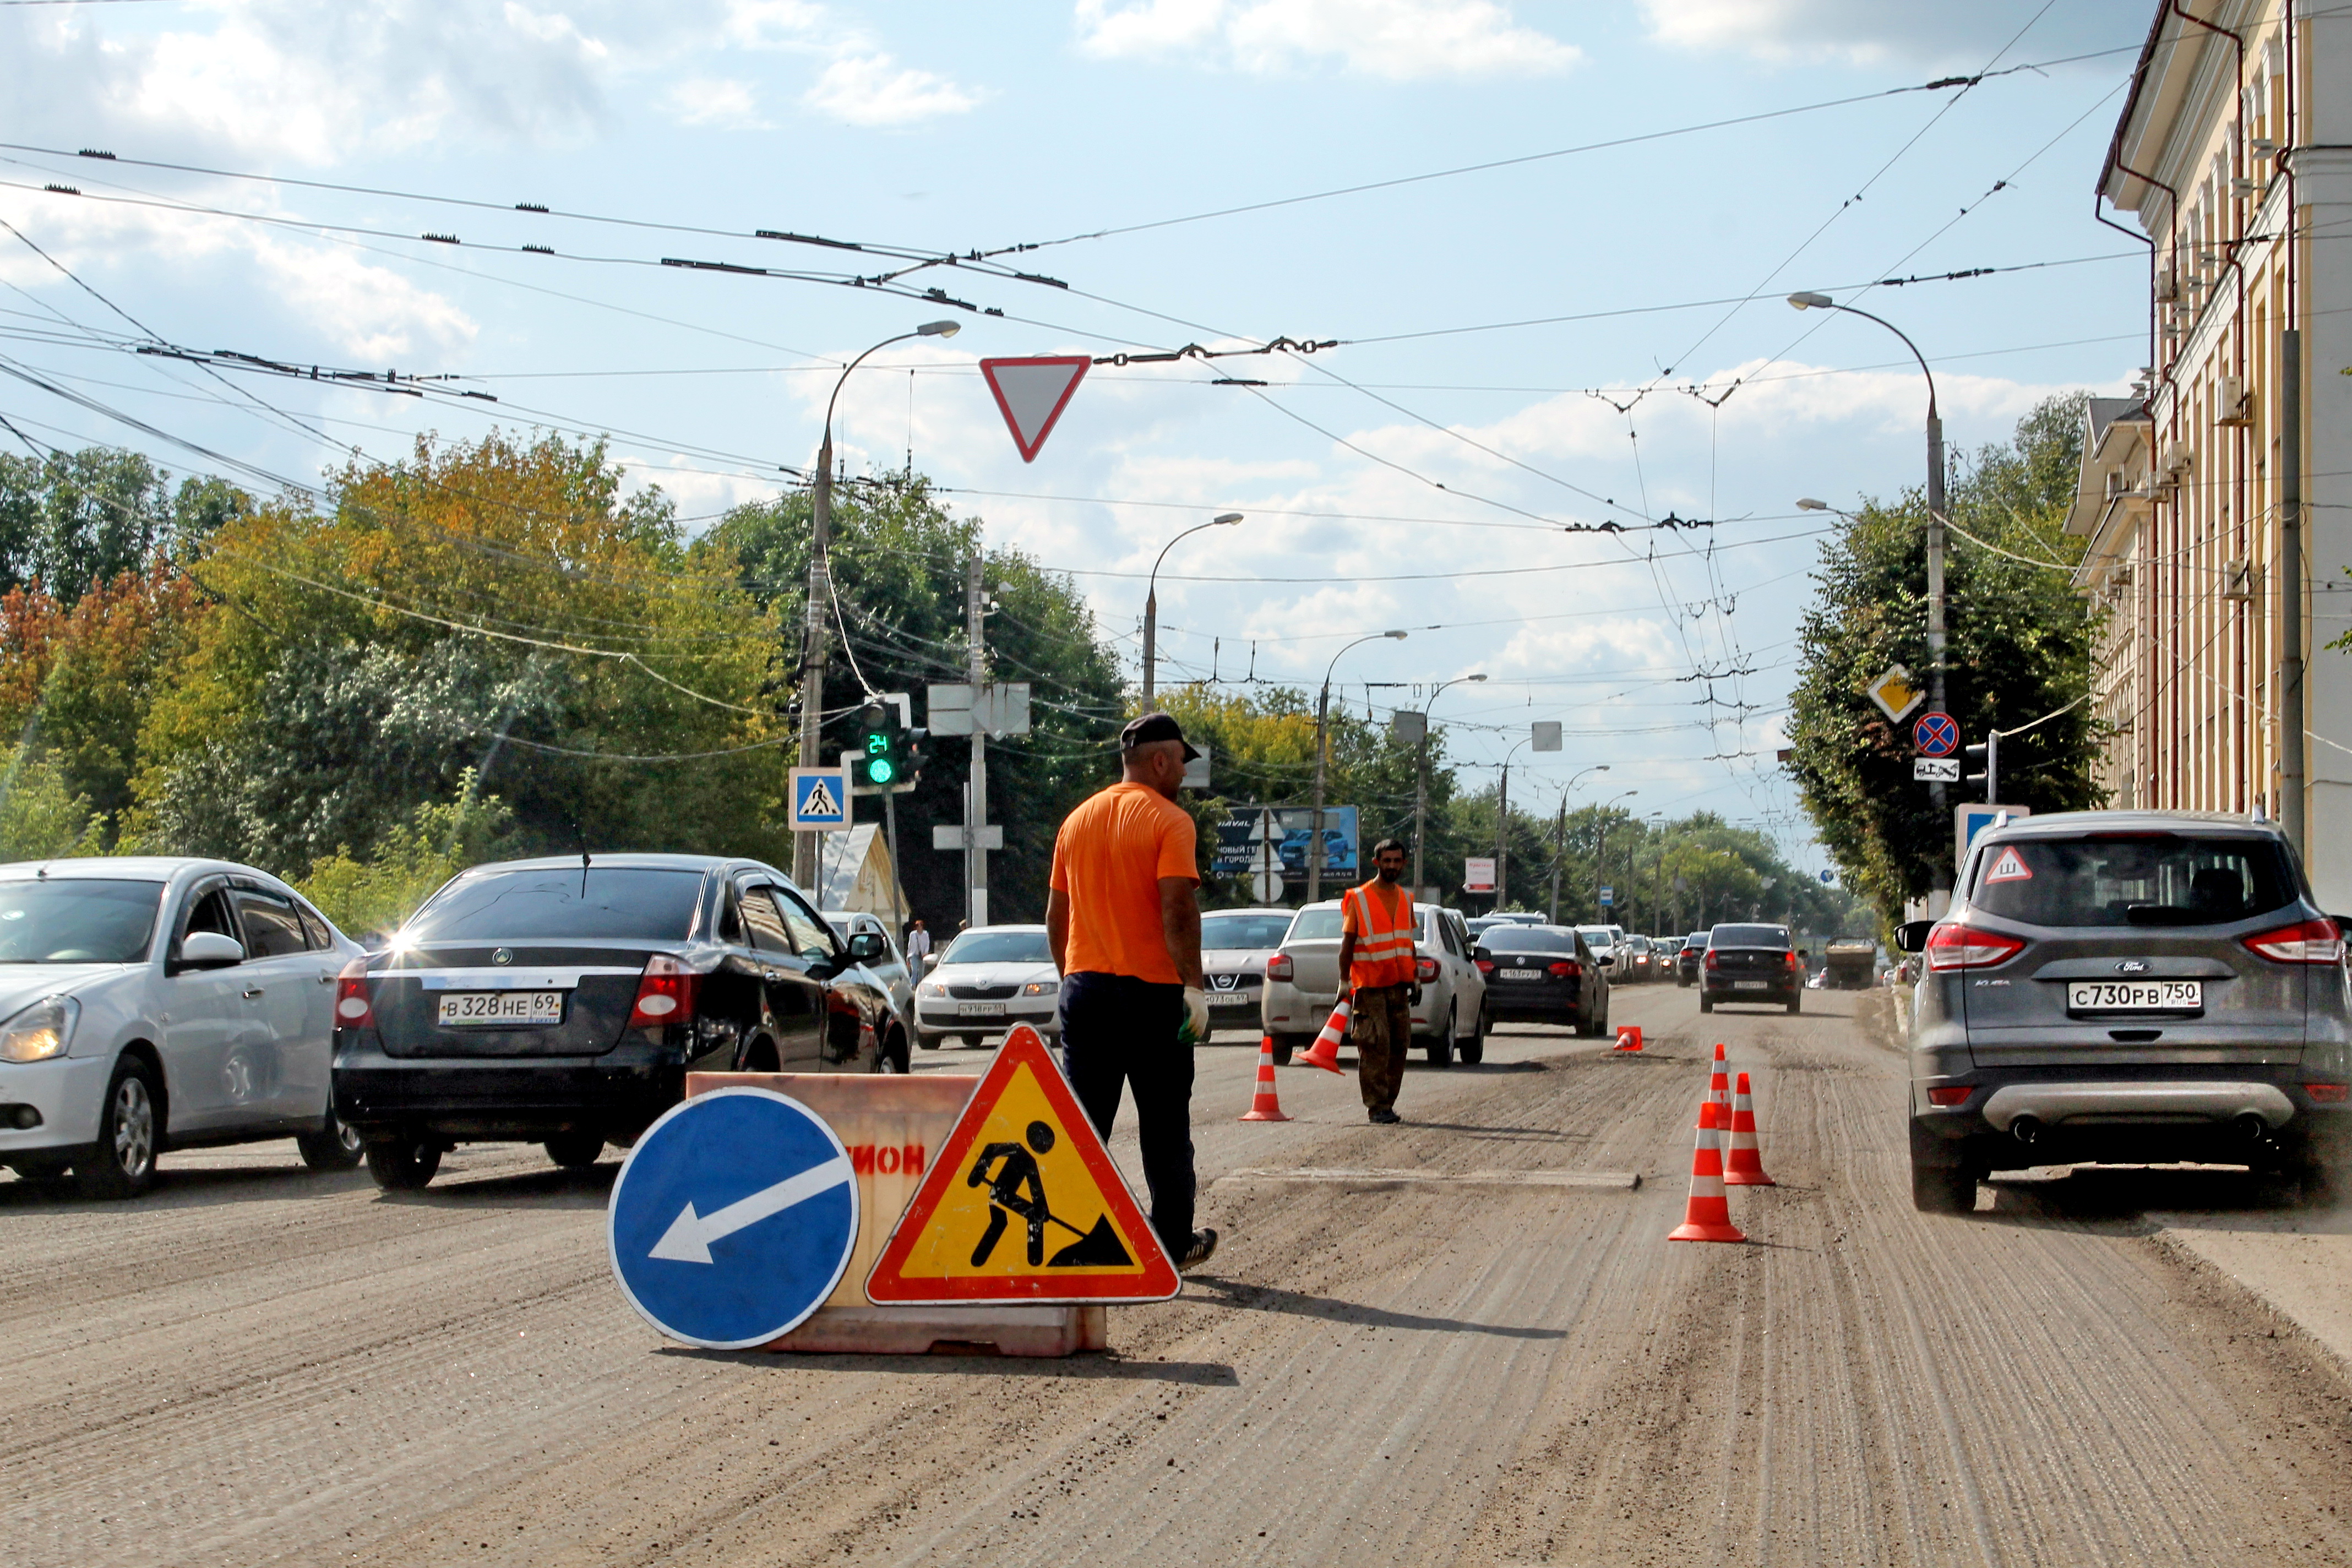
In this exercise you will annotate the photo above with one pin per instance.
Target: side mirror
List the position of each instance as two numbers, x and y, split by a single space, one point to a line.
1911 936
210 949
1480 955
865 947
1606 961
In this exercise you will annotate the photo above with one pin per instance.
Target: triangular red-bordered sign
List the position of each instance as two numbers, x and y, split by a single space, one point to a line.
1032 392
1007 1213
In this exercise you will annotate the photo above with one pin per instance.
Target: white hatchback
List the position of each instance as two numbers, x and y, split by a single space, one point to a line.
988 980
156 1003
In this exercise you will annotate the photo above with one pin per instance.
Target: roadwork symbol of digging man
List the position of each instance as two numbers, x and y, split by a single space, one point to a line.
1097 1248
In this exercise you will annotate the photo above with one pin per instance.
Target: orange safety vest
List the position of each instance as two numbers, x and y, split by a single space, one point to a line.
1384 953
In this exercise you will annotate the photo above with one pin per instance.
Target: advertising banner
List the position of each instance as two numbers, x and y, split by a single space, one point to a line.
1289 827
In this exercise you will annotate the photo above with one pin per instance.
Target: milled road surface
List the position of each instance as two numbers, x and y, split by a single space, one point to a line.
259 1365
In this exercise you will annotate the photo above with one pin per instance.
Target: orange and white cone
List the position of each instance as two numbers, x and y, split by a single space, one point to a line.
1743 1163
1264 1106
1718 1089
1707 1216
1629 1036
1324 1052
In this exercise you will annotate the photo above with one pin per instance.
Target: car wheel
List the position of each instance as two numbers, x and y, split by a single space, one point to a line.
1473 1050
335 1147
1284 1048
573 1151
1943 1189
1706 1004
896 1057
404 1165
971 1042
761 1055
123 1164
929 1042
1441 1044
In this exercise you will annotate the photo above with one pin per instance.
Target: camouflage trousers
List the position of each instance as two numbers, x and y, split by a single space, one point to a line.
1381 1031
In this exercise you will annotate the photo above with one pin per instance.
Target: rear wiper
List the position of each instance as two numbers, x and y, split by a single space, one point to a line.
2166 915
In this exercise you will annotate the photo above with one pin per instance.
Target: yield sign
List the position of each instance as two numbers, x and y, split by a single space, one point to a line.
1022 1203
1032 392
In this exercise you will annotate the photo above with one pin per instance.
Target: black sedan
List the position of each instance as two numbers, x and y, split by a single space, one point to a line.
1751 963
1544 975
563 1002
1686 960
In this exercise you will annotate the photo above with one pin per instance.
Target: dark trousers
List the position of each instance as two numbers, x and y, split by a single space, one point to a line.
1380 1028
1119 1031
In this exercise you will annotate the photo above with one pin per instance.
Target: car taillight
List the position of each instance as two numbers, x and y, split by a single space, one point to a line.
1564 968
1278 966
1792 961
1486 965
1709 960
1964 947
353 1007
2328 1093
1948 1094
665 994
1425 970
2306 942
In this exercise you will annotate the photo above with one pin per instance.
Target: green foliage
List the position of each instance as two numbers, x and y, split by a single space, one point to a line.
2019 647
40 819
74 519
372 896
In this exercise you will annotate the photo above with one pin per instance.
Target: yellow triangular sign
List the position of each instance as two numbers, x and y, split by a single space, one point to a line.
1022 1203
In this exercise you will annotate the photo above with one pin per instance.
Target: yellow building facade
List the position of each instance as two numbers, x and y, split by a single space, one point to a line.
2233 157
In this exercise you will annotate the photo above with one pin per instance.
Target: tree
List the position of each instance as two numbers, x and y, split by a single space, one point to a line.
74 519
2018 649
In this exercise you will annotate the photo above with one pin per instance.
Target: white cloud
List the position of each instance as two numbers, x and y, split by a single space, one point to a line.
1401 39
1872 32
366 309
706 100
872 89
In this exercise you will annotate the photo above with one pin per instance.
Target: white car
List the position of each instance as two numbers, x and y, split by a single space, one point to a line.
988 980
1449 1015
150 1005
1235 946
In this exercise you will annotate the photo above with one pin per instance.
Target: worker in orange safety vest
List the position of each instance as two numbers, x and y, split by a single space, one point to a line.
1376 968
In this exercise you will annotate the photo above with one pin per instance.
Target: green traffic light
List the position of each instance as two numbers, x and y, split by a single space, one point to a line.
879 770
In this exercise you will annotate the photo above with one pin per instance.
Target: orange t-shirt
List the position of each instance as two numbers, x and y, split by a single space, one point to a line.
1109 859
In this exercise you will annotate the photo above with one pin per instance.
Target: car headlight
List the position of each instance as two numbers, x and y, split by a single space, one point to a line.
1041 988
932 988
41 1031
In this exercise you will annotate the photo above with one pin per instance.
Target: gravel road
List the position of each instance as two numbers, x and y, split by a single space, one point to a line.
256 1364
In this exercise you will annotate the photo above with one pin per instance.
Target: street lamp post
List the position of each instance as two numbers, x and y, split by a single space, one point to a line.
1151 603
1322 760
1940 878
1601 845
1503 828
820 591
1560 834
1420 777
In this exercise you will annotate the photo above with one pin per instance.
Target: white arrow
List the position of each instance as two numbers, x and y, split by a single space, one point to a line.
688 1238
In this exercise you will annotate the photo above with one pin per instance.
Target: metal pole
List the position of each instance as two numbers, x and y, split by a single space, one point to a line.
1419 800
890 833
1322 752
976 813
1559 852
1939 879
1600 862
2291 715
812 656
1151 643
1503 836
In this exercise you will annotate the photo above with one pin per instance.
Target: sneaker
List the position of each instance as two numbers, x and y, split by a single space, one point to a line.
1386 1118
1203 1247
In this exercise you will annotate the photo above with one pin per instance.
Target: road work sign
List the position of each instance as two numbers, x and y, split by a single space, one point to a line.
732 1219
820 798
1032 392
1893 693
1022 1203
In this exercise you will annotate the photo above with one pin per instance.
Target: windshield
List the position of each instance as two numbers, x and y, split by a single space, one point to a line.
1315 925
1596 937
73 920
999 947
2155 878
1527 938
1748 936
1239 931
566 902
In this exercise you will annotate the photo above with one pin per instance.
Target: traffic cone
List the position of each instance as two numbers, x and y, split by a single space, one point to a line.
1264 1106
1743 1163
1629 1036
1324 1052
1718 1089
1707 1214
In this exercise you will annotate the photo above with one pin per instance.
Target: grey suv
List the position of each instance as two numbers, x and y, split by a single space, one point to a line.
2127 986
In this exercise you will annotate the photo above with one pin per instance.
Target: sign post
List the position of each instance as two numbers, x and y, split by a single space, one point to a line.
1479 874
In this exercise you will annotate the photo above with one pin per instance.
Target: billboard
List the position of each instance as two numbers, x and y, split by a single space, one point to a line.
1288 828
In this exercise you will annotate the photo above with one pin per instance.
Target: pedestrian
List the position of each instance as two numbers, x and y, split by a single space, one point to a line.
918 946
1376 969
1125 925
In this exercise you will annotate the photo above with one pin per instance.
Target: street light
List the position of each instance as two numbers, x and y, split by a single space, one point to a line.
820 589
1560 833
1600 842
1503 824
1940 878
1420 777
1322 758
1152 602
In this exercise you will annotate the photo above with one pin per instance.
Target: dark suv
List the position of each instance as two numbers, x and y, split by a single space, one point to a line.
2127 986
563 1002
1751 963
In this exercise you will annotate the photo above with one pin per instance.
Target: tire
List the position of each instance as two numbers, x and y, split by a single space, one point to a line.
573 1151
1284 1048
1473 1050
1441 1044
1943 1189
759 1056
334 1147
1706 1002
928 1042
404 1166
122 1165
895 1056
971 1042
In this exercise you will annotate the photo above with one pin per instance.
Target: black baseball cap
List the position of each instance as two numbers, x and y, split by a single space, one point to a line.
1155 727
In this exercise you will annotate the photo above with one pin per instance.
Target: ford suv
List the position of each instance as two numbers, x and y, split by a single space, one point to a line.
2127 986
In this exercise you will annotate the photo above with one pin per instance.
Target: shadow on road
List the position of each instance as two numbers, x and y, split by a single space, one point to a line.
1102 1366
2215 1195
191 1188
549 1189
1488 1134
1217 1292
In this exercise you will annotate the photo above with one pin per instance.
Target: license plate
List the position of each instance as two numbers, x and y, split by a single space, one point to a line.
2136 996
468 1009
980 1009
1751 985
1231 999
1518 974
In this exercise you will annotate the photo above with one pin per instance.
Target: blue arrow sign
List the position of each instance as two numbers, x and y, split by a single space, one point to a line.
732 1219
1936 735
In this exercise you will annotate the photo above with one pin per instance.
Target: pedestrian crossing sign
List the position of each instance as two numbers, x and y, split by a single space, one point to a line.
1022 1203
820 798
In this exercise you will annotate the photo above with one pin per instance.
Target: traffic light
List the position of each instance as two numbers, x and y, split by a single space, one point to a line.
879 760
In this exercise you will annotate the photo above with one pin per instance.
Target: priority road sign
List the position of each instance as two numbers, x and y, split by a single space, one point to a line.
1022 1203
820 799
1936 733
1894 692
1032 392
732 1219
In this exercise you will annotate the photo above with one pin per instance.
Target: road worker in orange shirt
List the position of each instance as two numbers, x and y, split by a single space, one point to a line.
1376 965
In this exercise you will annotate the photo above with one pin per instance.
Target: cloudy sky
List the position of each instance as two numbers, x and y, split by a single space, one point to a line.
1557 295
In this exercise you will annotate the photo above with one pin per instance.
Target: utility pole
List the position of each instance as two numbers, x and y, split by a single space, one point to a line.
813 648
1322 755
1940 878
975 809
1503 836
2290 719
1559 851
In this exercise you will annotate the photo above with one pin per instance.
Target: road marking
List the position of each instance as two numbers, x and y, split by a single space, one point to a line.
1619 1181
688 1238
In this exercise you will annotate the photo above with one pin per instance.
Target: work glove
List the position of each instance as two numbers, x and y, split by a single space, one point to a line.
1195 1029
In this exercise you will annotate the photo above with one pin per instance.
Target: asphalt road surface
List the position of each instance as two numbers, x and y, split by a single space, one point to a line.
258 1365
